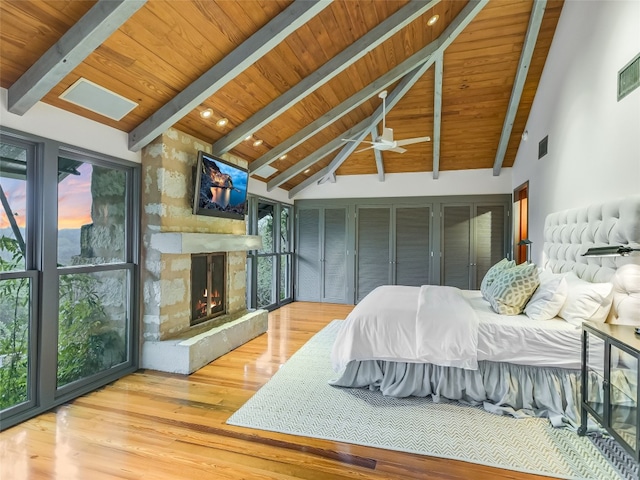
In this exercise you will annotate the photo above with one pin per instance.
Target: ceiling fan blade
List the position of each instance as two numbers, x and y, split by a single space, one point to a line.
363 149
397 150
361 141
409 141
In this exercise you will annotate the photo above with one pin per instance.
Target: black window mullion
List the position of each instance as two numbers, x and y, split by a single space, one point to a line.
48 248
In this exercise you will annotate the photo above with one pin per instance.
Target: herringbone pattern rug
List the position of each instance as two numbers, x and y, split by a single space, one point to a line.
299 401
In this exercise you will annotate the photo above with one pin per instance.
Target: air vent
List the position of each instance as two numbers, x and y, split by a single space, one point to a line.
629 78
265 171
98 99
542 147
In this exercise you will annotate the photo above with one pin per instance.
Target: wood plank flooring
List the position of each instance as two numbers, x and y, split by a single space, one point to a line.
152 425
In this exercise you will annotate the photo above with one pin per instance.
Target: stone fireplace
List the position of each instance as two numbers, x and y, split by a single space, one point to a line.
177 246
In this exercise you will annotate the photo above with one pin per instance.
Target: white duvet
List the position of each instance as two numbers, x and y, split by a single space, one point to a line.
384 326
428 324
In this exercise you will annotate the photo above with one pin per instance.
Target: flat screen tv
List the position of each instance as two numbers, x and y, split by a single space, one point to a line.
220 188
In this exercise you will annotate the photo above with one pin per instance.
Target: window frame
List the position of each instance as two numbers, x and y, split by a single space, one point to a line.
277 254
42 256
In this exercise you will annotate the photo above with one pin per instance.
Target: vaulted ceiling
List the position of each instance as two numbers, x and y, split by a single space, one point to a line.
299 76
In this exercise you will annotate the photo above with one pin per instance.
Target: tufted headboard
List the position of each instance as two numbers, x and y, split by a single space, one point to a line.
568 234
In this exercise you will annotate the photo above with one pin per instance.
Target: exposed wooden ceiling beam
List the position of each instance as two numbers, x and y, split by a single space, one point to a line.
104 18
378 154
535 21
326 72
345 107
437 116
393 98
466 15
349 147
318 155
252 49
448 36
309 181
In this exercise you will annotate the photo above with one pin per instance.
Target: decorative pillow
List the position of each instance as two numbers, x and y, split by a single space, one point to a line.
586 301
548 299
509 292
492 273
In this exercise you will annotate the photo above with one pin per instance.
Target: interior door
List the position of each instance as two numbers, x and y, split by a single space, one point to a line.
489 245
308 255
373 251
412 246
334 259
456 246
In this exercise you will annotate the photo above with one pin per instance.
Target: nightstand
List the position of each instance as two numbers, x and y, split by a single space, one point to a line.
611 382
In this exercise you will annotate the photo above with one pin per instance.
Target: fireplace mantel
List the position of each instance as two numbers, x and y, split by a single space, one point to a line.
181 243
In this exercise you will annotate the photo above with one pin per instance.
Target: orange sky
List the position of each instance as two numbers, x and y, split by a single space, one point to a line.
74 200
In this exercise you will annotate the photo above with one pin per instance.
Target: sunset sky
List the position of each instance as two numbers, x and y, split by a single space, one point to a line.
74 200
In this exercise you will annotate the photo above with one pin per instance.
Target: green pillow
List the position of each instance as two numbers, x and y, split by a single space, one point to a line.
492 274
512 288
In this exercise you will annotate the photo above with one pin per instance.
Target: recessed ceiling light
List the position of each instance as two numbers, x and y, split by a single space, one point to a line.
283 156
257 143
307 170
222 122
206 113
248 138
433 20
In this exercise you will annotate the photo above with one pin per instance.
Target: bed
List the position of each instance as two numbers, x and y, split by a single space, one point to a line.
448 343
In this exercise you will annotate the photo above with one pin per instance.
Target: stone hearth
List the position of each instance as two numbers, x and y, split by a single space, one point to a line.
171 234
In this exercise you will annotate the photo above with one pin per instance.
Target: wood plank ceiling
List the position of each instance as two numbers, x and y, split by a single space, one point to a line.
163 47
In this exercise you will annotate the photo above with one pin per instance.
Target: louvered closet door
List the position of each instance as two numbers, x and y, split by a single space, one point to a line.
413 246
335 255
456 246
373 250
489 224
308 255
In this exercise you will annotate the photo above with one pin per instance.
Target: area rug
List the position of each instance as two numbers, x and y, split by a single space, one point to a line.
299 401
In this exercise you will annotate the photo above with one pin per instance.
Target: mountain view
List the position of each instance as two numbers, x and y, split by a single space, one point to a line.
68 243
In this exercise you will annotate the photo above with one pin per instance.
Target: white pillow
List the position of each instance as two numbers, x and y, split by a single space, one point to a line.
549 298
586 301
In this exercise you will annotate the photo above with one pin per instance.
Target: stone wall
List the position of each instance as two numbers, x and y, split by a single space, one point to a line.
168 165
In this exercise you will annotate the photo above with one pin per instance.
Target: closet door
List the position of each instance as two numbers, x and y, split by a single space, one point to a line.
373 249
412 246
456 246
490 245
334 260
308 255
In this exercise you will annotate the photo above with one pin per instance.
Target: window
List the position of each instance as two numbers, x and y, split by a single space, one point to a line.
270 269
68 273
18 280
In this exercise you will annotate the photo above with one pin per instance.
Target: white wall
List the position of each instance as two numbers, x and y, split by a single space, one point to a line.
259 188
57 124
460 182
594 140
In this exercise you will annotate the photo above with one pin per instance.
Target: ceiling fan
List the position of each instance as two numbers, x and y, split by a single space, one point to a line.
385 142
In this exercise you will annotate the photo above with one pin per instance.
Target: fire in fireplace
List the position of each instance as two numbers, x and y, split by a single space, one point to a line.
208 280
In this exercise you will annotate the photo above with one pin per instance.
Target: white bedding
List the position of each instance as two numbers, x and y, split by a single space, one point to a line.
390 334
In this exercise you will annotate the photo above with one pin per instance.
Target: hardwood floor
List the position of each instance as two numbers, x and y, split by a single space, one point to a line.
152 425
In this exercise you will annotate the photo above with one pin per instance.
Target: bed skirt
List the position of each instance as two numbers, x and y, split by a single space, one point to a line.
502 388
